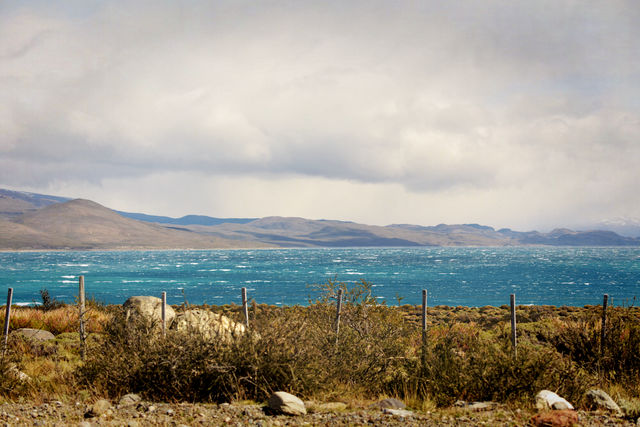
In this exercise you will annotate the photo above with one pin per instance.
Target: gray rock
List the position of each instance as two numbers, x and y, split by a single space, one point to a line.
37 335
129 399
150 308
390 403
284 403
549 400
400 413
475 406
600 399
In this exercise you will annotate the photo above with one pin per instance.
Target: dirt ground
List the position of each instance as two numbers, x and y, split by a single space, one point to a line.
248 414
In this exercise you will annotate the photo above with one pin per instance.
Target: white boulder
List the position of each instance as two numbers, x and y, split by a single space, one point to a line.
150 308
547 399
285 403
211 326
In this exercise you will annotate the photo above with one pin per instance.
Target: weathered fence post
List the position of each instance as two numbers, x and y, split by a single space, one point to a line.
164 314
424 317
245 307
603 333
338 310
81 314
7 319
513 325
424 329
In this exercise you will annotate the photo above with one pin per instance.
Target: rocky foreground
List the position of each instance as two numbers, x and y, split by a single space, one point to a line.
134 412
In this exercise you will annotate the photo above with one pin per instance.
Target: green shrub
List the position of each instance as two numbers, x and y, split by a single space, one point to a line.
464 363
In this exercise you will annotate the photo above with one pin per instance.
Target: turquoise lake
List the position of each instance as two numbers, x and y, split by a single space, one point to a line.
452 276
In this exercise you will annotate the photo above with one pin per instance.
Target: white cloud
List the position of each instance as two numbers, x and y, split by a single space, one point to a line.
450 108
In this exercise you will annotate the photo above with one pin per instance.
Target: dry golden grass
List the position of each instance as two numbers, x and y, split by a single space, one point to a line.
57 321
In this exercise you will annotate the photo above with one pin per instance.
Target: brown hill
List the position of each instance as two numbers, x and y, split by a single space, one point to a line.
37 221
82 224
15 203
300 232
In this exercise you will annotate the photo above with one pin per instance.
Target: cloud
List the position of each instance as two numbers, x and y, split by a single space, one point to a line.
437 99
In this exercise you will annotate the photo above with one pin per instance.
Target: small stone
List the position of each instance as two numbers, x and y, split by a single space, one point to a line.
556 418
475 406
133 423
151 408
600 399
390 403
84 424
400 413
286 403
129 399
169 412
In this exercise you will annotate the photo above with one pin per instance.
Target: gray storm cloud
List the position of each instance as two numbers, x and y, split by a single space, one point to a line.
433 97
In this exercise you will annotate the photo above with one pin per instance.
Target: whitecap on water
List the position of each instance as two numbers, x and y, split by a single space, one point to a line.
26 304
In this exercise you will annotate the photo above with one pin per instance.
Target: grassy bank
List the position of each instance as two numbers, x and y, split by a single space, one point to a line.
378 352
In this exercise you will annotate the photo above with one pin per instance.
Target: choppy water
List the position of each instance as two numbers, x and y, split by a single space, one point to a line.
452 276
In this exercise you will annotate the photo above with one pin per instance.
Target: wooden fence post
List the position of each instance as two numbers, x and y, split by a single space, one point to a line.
605 300
7 319
424 329
424 317
164 314
338 310
513 325
245 307
81 314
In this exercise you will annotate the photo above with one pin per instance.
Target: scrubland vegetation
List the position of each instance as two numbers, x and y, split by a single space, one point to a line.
378 352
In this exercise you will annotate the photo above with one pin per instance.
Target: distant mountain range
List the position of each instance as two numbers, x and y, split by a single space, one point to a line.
31 221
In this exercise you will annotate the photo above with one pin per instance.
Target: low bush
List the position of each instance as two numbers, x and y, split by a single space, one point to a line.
184 366
294 349
464 363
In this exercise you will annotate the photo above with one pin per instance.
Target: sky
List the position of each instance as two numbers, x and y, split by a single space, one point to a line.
519 114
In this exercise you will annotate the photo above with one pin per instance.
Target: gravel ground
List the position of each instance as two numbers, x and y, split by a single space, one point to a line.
187 414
